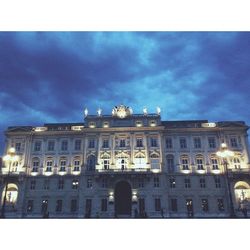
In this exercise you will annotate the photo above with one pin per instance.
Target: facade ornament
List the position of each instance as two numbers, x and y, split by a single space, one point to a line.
158 110
145 111
86 112
99 112
121 111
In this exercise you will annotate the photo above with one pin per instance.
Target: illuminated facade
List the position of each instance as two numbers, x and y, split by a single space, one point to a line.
126 165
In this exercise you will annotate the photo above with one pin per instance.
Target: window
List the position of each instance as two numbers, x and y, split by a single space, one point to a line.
153 142
211 142
44 206
51 145
234 142
106 164
104 183
189 206
204 205
73 205
170 163
59 206
91 143
76 165
173 205
49 166
187 183
199 162
46 184
140 182
236 162
169 143
75 184
30 206
197 142
139 142
62 165
157 204
140 161
64 145
214 162
172 182
122 143
156 182
60 184
220 204
91 160
202 182
141 206
105 143
89 183
217 182
37 146
32 184
18 146
88 208
184 163
104 205
155 161
35 166
183 143
78 144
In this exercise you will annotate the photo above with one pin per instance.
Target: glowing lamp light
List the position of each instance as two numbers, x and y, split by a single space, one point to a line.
62 173
12 150
216 171
111 197
201 171
155 170
134 196
186 171
48 173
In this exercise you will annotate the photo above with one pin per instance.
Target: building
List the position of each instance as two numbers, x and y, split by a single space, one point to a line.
127 165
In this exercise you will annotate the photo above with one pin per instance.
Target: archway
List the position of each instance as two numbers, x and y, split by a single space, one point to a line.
123 198
11 194
242 194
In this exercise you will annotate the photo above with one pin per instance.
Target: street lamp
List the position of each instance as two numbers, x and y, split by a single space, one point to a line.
9 158
224 153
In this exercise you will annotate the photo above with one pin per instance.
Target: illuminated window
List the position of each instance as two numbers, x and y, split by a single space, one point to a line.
170 163
233 142
11 194
75 184
104 205
152 123
105 143
46 184
173 205
220 205
215 165
217 182
122 143
236 162
89 183
18 146
105 124
172 182
73 205
157 204
30 206
140 161
37 146
169 143
78 144
51 145
76 165
139 142
62 166
49 164
187 183
211 142
197 142
61 184
35 165
199 163
138 123
156 182
59 205
184 163
202 182
91 143
32 184
183 143
204 205
153 142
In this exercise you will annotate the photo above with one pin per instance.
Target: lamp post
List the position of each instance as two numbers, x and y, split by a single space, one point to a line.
9 158
224 153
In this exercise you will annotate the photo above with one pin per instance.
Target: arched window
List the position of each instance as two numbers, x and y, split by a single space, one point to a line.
236 163
11 195
35 165
91 162
76 164
62 164
140 161
214 163
49 164
155 161
105 161
199 162
242 194
184 162
170 163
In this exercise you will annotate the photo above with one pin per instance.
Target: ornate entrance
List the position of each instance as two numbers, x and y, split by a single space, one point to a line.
123 198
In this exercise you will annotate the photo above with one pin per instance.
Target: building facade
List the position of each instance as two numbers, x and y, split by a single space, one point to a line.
127 165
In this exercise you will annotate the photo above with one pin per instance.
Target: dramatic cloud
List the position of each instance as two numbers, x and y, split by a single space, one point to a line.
51 76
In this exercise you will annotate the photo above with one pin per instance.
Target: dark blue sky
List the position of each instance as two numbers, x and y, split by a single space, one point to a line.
51 76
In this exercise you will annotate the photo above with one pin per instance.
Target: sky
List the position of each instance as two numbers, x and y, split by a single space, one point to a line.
49 77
